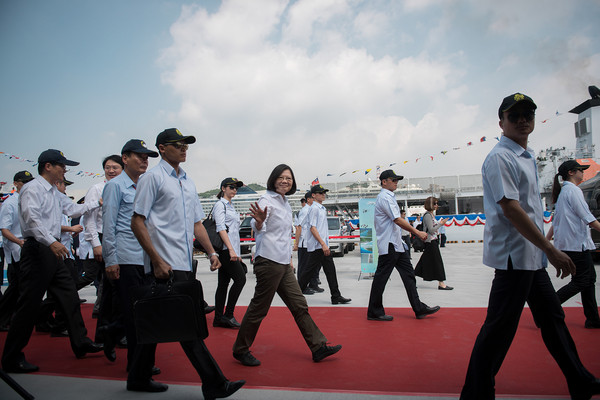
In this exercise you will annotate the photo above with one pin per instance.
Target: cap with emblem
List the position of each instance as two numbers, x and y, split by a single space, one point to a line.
173 135
138 146
55 156
512 100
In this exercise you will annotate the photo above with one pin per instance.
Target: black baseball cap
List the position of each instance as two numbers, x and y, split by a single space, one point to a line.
570 165
231 181
23 176
173 135
390 174
318 189
138 146
55 156
510 101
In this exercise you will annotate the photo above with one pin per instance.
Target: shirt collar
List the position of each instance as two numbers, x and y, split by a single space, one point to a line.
45 184
516 148
126 179
388 192
171 171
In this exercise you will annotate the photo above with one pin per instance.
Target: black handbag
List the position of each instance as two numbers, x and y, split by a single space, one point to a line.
211 228
169 311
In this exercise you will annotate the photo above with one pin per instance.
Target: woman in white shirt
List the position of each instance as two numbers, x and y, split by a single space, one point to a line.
272 224
227 220
570 226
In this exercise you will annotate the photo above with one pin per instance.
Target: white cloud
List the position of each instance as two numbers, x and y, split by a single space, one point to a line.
286 83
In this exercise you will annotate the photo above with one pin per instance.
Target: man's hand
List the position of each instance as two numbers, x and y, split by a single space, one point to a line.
422 235
76 229
98 253
59 250
326 250
161 269
562 262
113 271
215 264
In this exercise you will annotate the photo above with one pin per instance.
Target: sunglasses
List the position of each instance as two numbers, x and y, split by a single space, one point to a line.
514 117
179 146
232 187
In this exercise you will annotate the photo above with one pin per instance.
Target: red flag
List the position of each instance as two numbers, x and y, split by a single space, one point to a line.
482 139
315 182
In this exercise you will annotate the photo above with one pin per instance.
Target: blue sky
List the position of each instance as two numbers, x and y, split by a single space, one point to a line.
326 86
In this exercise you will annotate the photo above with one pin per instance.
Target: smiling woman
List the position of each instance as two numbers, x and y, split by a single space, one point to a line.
274 271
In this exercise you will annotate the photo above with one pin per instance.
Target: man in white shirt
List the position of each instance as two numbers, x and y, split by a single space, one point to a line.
515 246
13 241
318 248
300 244
168 249
393 252
41 207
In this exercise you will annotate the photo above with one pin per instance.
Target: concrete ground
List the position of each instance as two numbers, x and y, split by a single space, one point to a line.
470 279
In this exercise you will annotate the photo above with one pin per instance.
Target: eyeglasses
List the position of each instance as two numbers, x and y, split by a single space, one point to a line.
232 187
285 178
179 146
394 180
514 117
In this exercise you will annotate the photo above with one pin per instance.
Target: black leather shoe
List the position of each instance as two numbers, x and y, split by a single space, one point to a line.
22 367
156 370
89 347
585 392
427 311
325 351
225 322
445 287
381 318
209 309
247 359
317 289
340 300
109 343
592 324
225 390
64 333
308 291
122 343
150 386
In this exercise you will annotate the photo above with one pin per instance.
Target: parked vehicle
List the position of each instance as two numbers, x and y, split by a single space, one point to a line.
246 233
336 228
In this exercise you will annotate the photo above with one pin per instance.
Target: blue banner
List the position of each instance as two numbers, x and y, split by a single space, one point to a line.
368 238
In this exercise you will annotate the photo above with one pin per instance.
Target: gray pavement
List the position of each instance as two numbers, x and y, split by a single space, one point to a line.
465 273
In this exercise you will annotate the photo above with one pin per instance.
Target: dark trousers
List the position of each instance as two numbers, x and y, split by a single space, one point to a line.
41 271
316 259
385 266
195 350
2 267
92 271
302 262
230 270
584 282
130 277
8 302
510 290
271 278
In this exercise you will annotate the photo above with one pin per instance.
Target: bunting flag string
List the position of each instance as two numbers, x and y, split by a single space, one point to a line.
483 139
35 163
476 219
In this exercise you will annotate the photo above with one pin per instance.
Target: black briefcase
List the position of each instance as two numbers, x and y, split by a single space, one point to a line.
169 312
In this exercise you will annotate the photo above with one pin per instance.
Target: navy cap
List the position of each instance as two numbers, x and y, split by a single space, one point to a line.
138 146
55 156
390 174
570 165
23 176
512 100
231 181
173 135
318 189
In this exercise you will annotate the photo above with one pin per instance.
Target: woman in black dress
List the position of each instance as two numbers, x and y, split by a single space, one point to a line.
431 266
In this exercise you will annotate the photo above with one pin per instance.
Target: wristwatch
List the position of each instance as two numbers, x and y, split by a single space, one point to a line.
213 254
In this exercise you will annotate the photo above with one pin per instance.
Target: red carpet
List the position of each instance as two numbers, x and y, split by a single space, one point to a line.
407 355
